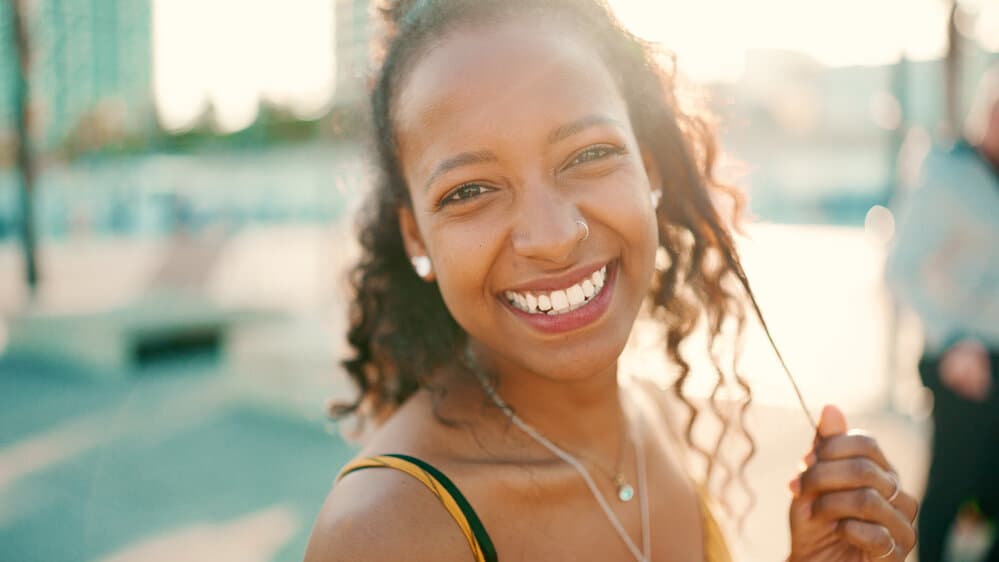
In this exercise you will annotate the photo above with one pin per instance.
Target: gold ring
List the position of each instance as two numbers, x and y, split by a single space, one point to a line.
898 488
889 553
586 228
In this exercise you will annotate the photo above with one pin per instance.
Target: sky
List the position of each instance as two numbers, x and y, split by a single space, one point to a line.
711 37
239 52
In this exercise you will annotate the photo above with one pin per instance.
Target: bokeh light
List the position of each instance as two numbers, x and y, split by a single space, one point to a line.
880 223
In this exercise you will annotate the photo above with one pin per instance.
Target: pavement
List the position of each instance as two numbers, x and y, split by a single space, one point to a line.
172 461
228 456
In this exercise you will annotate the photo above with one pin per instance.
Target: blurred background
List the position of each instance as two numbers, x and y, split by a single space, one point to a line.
176 184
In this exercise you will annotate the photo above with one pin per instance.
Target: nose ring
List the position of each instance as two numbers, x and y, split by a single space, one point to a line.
586 228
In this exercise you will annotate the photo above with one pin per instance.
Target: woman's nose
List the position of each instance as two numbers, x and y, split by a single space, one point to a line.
547 227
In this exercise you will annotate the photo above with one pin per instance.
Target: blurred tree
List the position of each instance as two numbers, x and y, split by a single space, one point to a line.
25 155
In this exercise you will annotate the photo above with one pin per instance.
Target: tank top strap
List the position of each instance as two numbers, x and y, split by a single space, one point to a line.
715 546
445 490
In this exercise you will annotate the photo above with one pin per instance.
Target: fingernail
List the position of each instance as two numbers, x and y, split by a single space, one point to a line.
795 485
810 459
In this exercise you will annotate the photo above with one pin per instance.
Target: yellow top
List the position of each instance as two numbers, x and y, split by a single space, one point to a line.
715 549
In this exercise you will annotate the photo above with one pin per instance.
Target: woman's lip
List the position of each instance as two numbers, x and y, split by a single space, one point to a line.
576 319
557 283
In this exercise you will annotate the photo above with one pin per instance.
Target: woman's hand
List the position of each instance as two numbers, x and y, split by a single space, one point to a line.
847 502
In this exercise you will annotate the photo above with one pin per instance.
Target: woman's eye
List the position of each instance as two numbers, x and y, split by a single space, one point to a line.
595 153
464 193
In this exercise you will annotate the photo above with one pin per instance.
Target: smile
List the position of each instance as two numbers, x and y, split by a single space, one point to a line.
560 301
583 301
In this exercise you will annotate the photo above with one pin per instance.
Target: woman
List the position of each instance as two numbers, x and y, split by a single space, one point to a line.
540 188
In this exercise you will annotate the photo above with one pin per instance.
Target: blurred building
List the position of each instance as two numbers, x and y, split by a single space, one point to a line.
823 141
8 70
354 35
91 69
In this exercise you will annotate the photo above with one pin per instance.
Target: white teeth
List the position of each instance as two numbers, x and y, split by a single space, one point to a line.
562 301
598 278
559 300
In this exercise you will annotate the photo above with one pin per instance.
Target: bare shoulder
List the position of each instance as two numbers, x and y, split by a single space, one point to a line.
384 515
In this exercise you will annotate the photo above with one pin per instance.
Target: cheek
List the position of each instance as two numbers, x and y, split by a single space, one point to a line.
624 207
463 256
637 225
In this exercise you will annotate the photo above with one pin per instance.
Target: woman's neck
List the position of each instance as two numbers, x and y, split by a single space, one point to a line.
584 416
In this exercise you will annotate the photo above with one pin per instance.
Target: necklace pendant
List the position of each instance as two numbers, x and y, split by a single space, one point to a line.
625 492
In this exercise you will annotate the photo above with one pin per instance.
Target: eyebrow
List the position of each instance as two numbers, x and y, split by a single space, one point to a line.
560 133
459 160
569 129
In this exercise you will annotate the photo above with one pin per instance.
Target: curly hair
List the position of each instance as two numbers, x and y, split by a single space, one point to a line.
400 329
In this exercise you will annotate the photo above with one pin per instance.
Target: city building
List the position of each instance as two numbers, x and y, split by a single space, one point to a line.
90 69
354 36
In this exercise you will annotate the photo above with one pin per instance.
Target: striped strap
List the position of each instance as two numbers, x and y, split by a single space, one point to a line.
715 547
455 503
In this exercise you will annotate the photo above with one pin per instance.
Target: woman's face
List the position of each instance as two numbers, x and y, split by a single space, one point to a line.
507 137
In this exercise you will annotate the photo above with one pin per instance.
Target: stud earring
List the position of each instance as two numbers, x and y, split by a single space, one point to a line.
422 265
656 196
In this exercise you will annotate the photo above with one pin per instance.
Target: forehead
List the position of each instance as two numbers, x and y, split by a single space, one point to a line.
510 77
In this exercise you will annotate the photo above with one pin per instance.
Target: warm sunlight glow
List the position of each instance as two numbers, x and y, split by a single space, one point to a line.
987 23
711 37
233 54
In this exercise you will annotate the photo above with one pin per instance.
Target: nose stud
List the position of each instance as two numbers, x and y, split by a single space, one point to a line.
586 228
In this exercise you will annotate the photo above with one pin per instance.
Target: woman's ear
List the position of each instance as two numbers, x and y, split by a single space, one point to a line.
654 175
412 240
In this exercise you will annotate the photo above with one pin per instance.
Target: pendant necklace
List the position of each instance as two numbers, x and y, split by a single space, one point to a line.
625 491
643 555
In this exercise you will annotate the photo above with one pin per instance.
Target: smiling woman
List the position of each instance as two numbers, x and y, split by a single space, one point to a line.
536 174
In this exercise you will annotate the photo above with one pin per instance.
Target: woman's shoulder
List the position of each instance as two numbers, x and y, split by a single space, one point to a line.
383 512
384 515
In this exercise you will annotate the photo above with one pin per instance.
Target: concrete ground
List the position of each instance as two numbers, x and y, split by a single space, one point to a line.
175 462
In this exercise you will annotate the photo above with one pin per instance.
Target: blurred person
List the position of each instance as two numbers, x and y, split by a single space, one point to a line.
945 265
540 188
